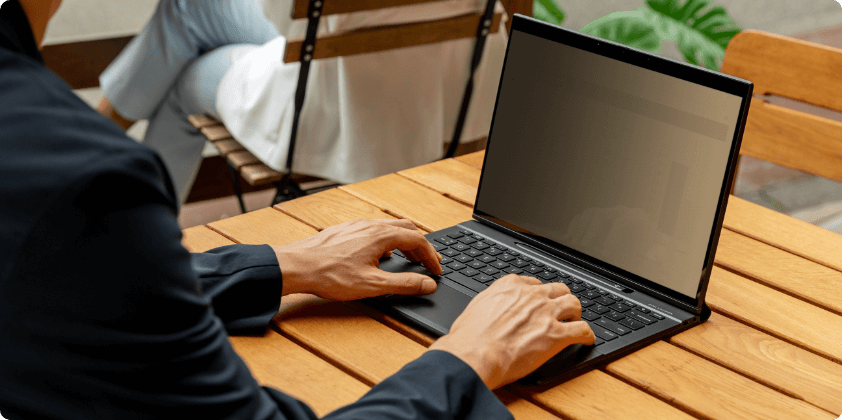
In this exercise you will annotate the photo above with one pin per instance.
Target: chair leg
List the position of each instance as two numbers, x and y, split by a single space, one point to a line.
235 179
287 189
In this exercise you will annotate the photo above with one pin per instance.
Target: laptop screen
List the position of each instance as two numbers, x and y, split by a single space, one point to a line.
612 160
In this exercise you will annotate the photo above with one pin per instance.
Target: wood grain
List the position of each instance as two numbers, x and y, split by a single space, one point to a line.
384 38
200 121
397 195
242 158
787 67
780 269
450 177
329 208
264 226
300 7
215 132
474 159
227 146
808 143
362 345
259 174
596 396
766 359
784 232
776 313
278 362
703 387
202 238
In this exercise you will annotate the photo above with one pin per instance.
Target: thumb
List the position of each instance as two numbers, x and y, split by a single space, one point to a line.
404 283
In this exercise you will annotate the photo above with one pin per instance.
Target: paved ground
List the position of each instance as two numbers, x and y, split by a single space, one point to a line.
809 198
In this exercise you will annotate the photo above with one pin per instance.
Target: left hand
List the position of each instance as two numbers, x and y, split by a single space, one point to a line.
341 262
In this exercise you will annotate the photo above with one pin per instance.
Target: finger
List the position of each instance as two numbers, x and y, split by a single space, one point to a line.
417 245
532 281
576 332
568 308
403 283
387 254
557 289
401 223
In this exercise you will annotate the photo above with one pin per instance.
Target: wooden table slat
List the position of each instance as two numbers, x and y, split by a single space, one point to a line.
782 231
781 270
329 208
278 362
264 226
450 177
703 387
776 313
766 359
474 159
348 338
596 395
397 195
201 239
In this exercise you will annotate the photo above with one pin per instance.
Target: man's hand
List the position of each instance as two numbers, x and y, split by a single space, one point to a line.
513 327
341 262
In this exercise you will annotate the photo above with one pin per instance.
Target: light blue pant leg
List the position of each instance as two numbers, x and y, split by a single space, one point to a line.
194 92
179 32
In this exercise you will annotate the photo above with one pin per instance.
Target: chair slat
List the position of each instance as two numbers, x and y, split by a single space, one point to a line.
259 174
227 146
386 38
216 132
242 158
334 7
794 139
787 67
200 121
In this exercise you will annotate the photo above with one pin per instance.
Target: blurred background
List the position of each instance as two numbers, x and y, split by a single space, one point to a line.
806 197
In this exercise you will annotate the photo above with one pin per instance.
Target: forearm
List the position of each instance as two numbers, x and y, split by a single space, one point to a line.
438 385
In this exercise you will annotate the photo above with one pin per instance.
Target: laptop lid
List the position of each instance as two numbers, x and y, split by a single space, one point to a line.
615 159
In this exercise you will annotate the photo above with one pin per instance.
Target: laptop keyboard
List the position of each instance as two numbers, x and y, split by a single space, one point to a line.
476 262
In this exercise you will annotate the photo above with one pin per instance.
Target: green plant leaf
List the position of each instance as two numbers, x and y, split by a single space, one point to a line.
548 11
701 35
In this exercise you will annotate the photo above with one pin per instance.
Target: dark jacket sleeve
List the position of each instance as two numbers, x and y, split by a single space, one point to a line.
438 385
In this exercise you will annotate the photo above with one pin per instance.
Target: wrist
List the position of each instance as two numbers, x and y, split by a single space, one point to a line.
292 271
472 356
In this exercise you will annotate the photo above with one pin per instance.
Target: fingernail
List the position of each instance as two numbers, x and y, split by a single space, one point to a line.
428 286
439 255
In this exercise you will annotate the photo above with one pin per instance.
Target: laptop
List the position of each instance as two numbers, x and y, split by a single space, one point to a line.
607 169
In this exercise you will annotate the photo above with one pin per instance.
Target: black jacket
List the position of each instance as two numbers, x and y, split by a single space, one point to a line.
103 314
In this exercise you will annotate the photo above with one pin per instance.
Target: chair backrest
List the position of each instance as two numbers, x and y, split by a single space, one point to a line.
382 38
798 70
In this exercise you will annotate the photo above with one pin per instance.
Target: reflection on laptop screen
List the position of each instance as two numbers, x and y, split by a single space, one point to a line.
618 162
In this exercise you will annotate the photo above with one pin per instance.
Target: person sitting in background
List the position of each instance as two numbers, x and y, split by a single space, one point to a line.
103 313
365 115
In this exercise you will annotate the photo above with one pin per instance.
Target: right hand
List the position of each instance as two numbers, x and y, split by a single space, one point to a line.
513 327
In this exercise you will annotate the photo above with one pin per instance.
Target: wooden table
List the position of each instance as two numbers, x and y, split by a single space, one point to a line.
771 350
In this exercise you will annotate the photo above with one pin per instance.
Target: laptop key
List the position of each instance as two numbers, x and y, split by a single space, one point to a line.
642 317
501 247
613 315
449 252
470 272
476 264
464 259
490 270
589 316
446 241
575 280
465 232
456 235
590 286
550 269
513 253
467 240
466 281
585 302
600 309
597 341
473 253
445 270
480 245
525 258
546 275
533 269
631 323
498 265
604 300
619 307
437 246
612 326
512 270
519 263
445 260
460 247
487 259
493 251
538 264
456 266
591 294
656 316
643 310
505 257
575 287
603 333
485 278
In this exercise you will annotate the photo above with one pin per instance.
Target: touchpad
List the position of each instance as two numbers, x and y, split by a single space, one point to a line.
442 307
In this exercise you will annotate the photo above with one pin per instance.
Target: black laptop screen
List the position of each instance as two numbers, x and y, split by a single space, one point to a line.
620 163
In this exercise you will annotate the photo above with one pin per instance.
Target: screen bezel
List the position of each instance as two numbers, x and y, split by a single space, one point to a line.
688 72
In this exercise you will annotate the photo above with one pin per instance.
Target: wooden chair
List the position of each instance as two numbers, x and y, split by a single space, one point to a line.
798 70
361 41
